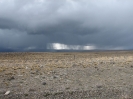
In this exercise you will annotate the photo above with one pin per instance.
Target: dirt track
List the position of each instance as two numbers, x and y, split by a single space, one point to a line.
86 75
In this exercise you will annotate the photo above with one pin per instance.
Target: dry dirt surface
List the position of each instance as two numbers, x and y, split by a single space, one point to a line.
67 75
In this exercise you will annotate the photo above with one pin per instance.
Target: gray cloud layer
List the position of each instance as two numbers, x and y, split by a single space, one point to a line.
35 23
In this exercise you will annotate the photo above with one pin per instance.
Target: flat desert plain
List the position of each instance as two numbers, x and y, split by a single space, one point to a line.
66 75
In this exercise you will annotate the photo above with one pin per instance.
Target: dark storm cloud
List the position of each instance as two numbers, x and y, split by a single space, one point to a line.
5 23
31 25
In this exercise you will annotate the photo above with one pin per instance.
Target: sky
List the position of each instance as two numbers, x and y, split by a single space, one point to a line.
45 25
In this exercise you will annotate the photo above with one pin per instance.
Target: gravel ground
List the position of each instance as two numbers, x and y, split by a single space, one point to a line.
83 75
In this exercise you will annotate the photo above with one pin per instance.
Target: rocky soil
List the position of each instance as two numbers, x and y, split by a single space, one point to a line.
72 75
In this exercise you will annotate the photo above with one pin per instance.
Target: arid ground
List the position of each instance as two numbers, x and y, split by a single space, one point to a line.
67 75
